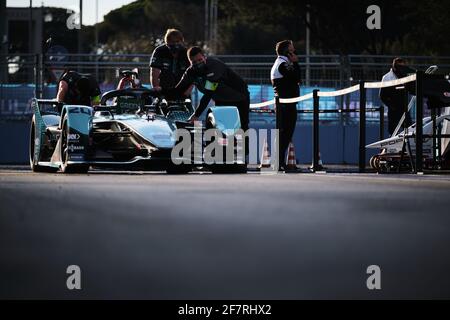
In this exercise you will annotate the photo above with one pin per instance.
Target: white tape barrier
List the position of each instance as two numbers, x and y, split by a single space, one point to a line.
339 92
299 99
392 83
262 105
272 102
367 85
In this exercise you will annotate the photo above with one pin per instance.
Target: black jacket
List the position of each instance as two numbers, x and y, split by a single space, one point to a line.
217 81
285 77
72 96
172 68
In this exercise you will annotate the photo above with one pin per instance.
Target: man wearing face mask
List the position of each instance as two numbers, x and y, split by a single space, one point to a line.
216 81
168 63
396 98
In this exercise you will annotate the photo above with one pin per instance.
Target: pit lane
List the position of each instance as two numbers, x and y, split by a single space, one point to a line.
204 236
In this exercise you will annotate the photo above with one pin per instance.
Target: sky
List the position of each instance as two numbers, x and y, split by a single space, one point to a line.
89 12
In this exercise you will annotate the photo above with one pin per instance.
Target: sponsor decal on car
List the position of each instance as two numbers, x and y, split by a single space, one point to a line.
389 143
76 157
161 136
74 137
73 148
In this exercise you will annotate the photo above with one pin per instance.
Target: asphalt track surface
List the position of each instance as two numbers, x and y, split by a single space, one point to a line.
203 236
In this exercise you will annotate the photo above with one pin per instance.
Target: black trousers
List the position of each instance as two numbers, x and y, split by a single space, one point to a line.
394 116
243 107
286 121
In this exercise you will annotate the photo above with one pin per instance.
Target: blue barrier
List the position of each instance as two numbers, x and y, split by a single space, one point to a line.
339 132
15 100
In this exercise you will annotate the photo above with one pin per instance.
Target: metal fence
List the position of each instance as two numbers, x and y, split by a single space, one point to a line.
20 72
325 70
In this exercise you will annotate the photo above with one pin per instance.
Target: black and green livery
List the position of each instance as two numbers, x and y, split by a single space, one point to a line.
116 133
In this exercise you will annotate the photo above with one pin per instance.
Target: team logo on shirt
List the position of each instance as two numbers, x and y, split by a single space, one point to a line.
211 86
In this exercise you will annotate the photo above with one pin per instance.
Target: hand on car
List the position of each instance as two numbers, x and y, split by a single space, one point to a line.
193 118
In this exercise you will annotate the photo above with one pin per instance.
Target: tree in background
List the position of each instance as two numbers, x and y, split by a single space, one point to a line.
140 26
253 26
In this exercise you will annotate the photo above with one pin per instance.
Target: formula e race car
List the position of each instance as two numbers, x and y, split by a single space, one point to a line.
130 129
399 150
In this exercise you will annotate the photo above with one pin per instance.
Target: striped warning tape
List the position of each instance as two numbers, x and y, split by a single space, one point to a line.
392 83
367 85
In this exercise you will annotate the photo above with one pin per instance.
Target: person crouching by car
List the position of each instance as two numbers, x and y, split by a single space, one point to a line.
285 77
396 98
216 81
78 89
169 62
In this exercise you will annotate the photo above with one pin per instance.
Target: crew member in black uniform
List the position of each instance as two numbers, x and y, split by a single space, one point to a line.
77 88
216 81
285 77
169 62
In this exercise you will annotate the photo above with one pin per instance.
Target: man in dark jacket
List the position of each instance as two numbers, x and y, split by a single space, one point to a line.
396 98
169 62
285 77
79 89
216 81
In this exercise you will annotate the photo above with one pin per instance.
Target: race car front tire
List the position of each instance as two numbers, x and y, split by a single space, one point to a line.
228 168
35 167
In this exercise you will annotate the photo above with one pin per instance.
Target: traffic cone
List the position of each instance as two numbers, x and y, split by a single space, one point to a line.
291 162
265 157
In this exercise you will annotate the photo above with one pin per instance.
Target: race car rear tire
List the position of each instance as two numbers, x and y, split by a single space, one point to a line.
228 168
178 169
35 167
65 167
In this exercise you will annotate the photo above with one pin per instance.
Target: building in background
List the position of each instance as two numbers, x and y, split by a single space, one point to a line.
22 31
17 30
